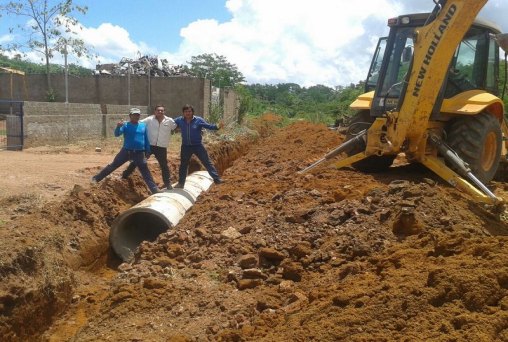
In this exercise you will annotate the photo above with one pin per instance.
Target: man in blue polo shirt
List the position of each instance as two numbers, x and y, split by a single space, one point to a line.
135 147
191 127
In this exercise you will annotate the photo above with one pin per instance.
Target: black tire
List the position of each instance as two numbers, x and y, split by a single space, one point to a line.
372 164
478 141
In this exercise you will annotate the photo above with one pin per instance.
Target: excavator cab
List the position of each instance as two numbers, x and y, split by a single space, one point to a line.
475 64
431 94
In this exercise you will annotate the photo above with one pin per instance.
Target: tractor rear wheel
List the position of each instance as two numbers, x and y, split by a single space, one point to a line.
478 141
372 164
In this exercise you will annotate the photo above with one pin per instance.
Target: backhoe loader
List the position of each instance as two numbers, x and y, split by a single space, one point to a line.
432 94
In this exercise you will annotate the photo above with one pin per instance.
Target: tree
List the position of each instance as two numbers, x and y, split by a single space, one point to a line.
51 29
216 68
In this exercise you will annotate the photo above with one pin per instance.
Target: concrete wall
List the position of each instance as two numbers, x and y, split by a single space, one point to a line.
173 92
97 103
47 123
231 104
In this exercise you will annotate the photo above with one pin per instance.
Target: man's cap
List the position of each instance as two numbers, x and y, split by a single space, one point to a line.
135 111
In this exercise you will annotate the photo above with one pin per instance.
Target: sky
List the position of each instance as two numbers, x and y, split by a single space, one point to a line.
308 42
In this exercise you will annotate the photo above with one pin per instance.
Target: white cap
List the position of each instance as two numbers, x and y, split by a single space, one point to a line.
135 111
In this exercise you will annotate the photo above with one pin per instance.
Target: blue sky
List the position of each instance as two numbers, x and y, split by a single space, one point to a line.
307 42
155 22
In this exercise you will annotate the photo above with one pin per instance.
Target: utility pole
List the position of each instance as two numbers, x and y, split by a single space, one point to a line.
66 74
149 90
129 83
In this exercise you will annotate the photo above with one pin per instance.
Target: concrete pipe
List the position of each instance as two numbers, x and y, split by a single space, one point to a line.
155 215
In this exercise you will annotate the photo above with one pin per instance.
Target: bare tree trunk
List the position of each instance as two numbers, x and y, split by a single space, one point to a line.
48 75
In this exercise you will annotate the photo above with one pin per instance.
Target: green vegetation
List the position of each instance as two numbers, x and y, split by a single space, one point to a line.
215 68
316 104
503 70
34 68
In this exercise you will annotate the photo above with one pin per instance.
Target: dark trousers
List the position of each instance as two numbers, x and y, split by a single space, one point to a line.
137 158
161 154
186 153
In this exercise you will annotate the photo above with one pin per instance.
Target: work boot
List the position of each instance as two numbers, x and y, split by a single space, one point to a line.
93 180
169 187
218 181
179 186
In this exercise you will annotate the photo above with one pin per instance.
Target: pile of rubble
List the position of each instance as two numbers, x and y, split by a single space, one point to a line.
142 66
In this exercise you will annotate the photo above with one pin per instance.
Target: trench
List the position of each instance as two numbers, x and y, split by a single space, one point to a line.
92 282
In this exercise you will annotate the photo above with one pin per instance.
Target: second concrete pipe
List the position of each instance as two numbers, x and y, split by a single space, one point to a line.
155 215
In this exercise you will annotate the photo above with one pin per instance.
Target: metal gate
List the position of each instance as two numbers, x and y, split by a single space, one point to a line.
11 125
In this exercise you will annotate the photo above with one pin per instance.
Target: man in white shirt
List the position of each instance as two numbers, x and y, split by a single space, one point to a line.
159 127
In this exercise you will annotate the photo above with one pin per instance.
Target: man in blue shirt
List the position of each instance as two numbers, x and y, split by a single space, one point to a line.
191 127
159 127
135 147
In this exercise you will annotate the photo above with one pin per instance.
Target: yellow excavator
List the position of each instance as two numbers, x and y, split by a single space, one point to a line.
432 94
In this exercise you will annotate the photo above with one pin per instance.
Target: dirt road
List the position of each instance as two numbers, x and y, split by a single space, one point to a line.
268 256
50 175
32 177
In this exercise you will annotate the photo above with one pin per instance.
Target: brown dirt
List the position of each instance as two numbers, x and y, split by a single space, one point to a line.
270 255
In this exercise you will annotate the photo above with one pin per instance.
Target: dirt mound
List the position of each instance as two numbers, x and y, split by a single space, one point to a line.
332 255
272 255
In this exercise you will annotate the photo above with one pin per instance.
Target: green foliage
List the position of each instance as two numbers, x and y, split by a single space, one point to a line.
34 68
248 103
317 103
502 80
216 68
51 95
215 113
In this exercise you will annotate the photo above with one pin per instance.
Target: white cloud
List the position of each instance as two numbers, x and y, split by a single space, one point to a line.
290 41
6 38
112 43
306 42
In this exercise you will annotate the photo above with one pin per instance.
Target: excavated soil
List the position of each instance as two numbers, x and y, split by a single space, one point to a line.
270 255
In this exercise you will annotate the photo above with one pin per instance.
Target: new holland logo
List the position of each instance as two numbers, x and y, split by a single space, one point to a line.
432 49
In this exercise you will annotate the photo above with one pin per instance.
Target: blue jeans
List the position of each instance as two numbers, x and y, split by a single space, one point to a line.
186 153
161 154
138 158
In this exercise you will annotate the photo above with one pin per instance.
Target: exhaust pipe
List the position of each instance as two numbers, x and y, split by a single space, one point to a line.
155 215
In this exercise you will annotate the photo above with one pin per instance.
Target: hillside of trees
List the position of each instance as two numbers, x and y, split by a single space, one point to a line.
316 103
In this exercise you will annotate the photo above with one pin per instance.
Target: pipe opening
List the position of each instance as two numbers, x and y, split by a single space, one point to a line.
128 233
